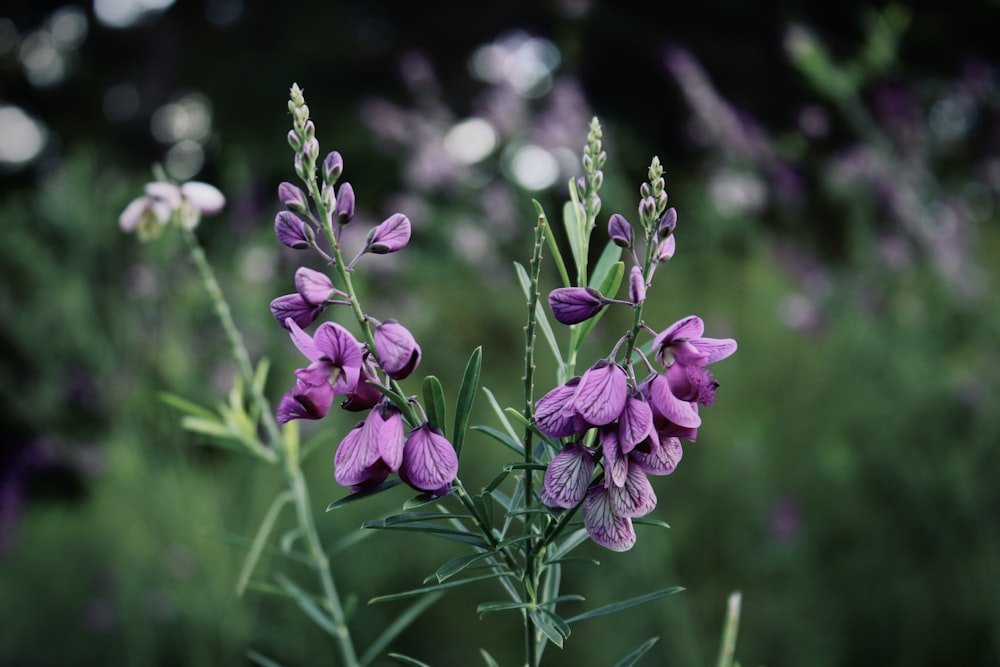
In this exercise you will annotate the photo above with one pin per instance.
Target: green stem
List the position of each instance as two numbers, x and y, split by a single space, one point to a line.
294 478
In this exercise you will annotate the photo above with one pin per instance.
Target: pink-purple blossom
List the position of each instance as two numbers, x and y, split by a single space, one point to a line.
429 461
397 351
335 369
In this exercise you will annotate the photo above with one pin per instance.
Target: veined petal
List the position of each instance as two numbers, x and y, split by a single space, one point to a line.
398 352
635 422
715 349
341 350
568 476
667 404
292 307
601 395
604 526
635 497
664 454
691 326
390 235
390 434
615 463
429 461
571 305
551 416
357 453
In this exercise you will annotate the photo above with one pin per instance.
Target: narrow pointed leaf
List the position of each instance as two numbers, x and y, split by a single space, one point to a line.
262 660
361 495
410 517
488 659
466 397
496 481
437 587
602 270
608 286
575 233
504 605
625 604
553 627
434 401
421 499
634 656
402 622
550 238
433 530
502 438
456 565
187 406
306 604
406 660
260 540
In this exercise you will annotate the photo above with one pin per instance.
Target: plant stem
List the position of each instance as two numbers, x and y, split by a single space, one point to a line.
280 453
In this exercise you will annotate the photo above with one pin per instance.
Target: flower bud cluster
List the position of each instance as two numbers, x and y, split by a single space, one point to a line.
615 429
363 372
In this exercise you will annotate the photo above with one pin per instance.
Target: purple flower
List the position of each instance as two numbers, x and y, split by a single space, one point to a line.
692 383
620 230
600 396
553 414
390 235
429 461
658 455
345 203
682 342
292 307
291 230
568 476
604 526
372 450
636 286
398 353
314 286
635 423
364 396
571 305
293 198
335 370
634 497
664 402
305 401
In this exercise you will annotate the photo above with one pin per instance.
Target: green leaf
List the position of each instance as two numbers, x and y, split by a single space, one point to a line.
187 406
488 659
306 604
504 605
262 660
437 587
421 499
260 540
575 233
410 517
397 626
646 521
406 660
365 493
553 627
211 427
541 319
634 656
601 277
433 530
502 438
550 238
434 401
573 559
501 416
608 287
496 481
524 466
625 604
483 502
456 565
466 396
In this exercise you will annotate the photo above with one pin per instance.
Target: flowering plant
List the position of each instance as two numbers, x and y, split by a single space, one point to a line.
587 445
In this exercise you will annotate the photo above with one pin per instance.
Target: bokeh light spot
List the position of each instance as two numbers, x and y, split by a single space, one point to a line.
470 140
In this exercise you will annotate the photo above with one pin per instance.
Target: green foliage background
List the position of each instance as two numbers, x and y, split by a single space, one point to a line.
845 482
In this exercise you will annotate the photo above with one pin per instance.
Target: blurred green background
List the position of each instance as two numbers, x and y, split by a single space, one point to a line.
836 169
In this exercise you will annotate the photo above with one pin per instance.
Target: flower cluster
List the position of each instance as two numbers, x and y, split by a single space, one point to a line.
364 372
607 416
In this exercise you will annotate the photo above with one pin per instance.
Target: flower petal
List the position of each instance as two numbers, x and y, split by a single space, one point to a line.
664 454
635 422
663 400
398 352
357 454
571 305
390 434
600 398
302 340
551 416
635 497
568 476
296 309
429 461
314 286
604 526
615 463
206 198
390 235
715 349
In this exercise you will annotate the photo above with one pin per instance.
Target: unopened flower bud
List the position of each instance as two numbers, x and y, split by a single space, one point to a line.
294 140
595 206
620 230
314 286
572 305
647 208
581 186
588 163
644 190
598 179
667 223
398 353
636 286
345 203
294 307
326 196
309 131
665 250
661 200
390 235
293 198
333 167
291 230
